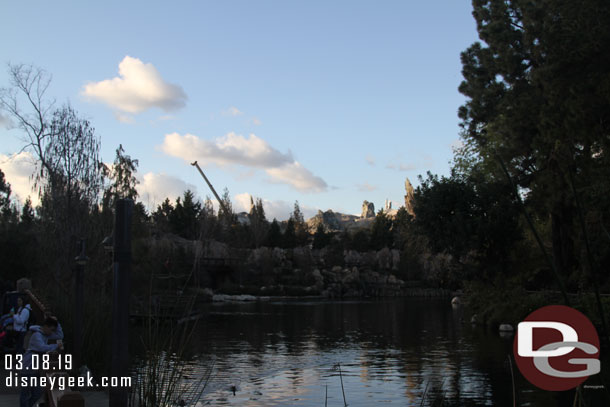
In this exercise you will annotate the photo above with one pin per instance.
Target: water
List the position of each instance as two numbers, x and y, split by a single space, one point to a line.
397 351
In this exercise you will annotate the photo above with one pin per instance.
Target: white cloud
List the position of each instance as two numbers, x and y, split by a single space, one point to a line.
232 111
256 121
138 87
253 152
298 177
155 187
366 187
18 170
279 209
227 150
370 160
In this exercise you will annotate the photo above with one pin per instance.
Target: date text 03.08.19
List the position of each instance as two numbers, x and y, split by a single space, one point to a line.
39 361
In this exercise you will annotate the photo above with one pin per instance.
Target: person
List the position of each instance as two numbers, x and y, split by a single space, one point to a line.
38 343
20 322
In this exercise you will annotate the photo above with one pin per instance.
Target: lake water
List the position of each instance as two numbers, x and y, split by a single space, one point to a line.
396 351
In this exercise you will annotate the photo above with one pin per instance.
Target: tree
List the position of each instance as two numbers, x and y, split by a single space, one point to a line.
468 216
300 227
122 176
66 150
258 222
538 103
381 231
5 197
28 86
27 213
184 218
274 235
289 238
321 238
161 216
207 220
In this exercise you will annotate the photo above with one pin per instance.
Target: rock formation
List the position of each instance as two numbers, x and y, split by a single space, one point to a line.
368 210
409 197
331 221
388 206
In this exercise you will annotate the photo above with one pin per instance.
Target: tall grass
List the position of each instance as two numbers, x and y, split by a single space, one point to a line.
163 378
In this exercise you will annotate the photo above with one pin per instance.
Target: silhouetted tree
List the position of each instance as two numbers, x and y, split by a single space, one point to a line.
258 222
321 238
274 235
381 231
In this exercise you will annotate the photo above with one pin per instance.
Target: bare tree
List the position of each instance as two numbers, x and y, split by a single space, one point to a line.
66 150
24 101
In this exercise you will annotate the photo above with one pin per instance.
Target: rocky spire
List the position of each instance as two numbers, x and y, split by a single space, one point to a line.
368 210
409 197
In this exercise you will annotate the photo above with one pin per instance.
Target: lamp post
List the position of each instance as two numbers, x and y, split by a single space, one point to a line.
79 302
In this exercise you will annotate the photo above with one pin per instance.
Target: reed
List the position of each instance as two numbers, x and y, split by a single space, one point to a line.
163 378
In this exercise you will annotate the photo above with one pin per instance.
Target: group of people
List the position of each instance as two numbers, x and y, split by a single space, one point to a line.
29 340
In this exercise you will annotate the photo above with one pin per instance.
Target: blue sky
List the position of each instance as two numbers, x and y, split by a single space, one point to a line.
327 103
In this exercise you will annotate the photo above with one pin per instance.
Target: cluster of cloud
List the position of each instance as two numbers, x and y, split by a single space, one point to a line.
252 152
153 188
18 170
138 87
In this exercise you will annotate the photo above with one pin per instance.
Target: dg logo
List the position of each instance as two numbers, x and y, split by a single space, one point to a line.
557 348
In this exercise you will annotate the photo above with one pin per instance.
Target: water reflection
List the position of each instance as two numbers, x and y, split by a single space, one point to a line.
393 351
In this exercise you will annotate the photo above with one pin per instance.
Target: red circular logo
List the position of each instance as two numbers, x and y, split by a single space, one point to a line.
556 348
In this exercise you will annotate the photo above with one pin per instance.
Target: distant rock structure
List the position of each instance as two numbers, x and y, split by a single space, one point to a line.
388 206
409 197
332 221
368 210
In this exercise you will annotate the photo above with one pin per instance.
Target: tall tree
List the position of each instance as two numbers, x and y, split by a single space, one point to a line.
258 222
381 231
5 196
300 227
123 181
538 103
66 149
184 218
274 236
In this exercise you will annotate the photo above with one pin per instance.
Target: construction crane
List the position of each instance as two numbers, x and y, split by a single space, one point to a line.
220 201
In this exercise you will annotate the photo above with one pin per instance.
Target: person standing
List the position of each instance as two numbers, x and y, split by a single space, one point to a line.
20 322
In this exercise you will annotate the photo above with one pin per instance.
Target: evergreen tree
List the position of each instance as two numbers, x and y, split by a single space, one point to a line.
300 227
274 235
381 231
258 222
162 215
321 238
27 213
538 104
289 238
184 218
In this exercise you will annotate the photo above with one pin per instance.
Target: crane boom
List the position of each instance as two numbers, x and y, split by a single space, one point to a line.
220 201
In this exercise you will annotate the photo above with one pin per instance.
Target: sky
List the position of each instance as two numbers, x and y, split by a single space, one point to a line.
328 103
